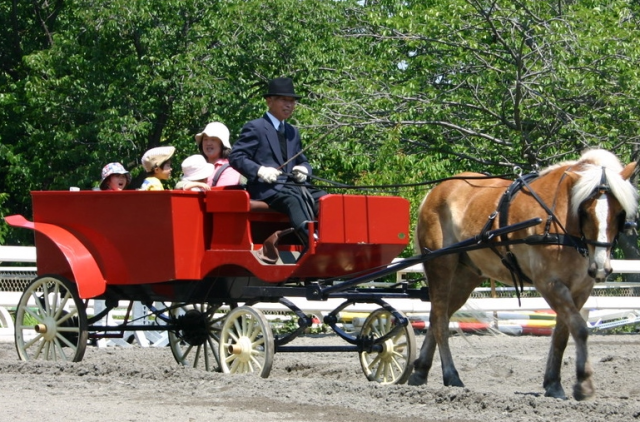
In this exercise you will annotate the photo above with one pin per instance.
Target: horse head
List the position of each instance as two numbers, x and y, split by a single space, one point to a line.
604 200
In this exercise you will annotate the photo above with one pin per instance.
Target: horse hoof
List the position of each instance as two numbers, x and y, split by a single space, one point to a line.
452 381
555 392
583 391
417 379
456 383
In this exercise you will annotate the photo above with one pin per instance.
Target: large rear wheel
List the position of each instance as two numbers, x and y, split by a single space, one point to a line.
246 342
51 321
394 363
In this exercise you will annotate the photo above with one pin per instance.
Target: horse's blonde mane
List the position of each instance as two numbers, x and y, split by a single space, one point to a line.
590 167
557 166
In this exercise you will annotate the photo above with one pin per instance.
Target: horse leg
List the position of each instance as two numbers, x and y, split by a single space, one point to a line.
446 298
552 377
569 321
584 387
422 365
438 283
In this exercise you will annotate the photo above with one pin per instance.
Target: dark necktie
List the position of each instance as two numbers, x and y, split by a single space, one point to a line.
283 140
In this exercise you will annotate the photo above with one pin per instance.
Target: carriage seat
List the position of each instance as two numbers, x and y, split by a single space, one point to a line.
256 205
240 222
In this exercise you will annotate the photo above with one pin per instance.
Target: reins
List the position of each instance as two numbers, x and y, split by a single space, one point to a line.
337 185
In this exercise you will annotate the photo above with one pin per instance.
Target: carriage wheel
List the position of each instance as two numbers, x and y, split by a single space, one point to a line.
246 342
196 341
392 365
51 321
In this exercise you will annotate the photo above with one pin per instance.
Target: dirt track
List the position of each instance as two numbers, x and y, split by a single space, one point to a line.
503 377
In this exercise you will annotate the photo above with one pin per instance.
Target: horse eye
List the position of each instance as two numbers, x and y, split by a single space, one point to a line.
582 213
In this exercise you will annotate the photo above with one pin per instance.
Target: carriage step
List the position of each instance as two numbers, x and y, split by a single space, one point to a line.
285 258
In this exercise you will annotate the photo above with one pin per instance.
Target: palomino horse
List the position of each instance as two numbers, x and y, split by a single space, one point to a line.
584 204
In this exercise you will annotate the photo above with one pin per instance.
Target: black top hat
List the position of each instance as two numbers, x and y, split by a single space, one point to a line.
282 87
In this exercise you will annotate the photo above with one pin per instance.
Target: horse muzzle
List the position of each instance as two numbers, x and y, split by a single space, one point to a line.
599 273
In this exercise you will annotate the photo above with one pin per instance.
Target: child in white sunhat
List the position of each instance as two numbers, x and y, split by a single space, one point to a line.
196 171
157 164
114 177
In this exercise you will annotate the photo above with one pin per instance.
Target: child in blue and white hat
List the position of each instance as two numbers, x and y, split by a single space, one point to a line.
114 177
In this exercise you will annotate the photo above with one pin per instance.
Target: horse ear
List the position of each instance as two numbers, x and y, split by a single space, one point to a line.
627 172
573 175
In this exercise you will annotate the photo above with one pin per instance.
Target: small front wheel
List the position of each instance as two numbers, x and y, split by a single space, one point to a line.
246 342
394 363
51 321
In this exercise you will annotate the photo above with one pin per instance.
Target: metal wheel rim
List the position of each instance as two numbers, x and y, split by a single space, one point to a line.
248 332
52 303
199 356
394 364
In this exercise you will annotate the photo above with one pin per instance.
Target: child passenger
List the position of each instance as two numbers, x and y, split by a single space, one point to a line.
157 164
114 177
196 171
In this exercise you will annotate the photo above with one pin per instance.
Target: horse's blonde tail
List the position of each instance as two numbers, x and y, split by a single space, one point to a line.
416 240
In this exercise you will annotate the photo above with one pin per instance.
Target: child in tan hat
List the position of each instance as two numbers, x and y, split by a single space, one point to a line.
157 164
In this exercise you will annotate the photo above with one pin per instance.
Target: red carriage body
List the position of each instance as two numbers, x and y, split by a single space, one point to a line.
99 239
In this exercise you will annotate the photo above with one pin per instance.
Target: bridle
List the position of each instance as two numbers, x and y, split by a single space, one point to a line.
602 189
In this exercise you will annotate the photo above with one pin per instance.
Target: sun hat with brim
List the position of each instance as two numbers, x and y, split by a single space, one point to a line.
281 87
196 168
113 168
156 156
215 130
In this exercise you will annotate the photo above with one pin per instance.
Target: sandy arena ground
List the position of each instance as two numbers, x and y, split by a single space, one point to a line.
503 377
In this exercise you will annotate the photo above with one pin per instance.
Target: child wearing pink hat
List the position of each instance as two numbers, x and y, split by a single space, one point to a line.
196 171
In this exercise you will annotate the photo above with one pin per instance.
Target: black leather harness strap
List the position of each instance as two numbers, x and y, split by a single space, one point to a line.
509 259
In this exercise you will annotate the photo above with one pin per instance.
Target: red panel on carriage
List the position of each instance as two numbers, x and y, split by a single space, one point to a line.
356 233
134 237
153 237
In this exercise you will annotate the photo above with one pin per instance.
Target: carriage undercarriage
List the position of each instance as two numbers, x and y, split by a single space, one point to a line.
52 324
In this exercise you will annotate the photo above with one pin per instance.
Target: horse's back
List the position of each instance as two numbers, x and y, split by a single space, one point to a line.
457 209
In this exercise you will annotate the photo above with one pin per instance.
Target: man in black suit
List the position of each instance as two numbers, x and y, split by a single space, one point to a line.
269 154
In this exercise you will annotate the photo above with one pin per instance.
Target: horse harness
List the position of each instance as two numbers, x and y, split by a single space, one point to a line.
508 259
